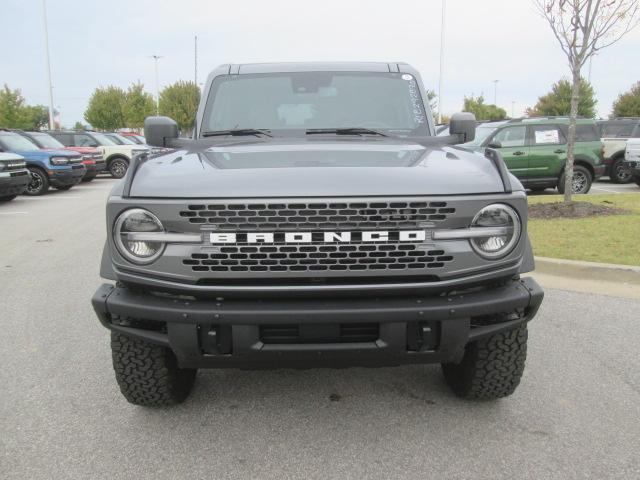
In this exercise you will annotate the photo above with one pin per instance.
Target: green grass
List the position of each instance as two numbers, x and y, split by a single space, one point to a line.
607 239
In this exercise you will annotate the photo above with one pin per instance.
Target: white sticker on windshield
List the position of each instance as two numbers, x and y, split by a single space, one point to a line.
547 136
406 76
416 103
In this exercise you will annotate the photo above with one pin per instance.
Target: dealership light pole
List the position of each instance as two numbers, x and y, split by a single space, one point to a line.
155 59
495 92
441 62
46 51
195 60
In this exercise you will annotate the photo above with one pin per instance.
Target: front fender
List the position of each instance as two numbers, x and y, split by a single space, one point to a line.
106 267
528 263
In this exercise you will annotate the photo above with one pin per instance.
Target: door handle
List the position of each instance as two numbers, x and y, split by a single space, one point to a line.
518 153
558 151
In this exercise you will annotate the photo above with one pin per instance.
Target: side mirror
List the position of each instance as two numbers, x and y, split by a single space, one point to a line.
464 125
158 130
494 144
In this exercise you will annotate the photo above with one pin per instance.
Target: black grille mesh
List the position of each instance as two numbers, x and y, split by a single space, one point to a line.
302 258
317 216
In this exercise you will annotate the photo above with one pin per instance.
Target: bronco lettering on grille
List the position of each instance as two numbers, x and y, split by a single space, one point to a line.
319 237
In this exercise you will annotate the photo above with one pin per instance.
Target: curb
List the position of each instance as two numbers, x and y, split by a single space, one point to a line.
607 272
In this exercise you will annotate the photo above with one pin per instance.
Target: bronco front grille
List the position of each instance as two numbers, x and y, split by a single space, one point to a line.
304 258
317 216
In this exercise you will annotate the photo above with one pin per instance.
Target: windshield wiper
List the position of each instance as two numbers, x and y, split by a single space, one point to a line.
345 131
238 132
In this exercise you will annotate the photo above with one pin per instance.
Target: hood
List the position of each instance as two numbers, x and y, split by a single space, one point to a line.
9 156
316 168
45 154
84 150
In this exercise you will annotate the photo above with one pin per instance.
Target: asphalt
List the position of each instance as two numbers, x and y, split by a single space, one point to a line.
601 187
575 415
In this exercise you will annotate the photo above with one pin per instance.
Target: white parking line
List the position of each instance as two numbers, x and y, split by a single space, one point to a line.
53 197
13 213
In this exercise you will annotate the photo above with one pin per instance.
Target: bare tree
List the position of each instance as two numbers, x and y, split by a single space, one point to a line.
584 27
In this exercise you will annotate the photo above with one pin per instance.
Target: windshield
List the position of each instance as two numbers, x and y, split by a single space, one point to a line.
15 142
121 139
103 140
388 102
47 141
482 132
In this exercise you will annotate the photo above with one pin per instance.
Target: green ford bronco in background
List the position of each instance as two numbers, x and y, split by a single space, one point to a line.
535 150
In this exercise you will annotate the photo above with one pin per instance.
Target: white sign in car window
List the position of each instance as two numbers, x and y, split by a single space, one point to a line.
547 136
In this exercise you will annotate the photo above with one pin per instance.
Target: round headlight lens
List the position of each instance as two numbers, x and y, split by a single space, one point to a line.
500 216
137 220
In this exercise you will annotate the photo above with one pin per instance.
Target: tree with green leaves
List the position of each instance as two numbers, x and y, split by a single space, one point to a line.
78 126
483 111
180 102
137 106
15 113
104 111
558 101
628 103
432 98
583 28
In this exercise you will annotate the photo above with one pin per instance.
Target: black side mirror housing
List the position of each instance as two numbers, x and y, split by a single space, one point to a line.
464 125
160 130
494 144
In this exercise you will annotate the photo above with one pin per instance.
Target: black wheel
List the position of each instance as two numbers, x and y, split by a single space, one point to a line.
491 367
39 183
66 187
88 179
618 174
148 374
7 198
118 167
582 180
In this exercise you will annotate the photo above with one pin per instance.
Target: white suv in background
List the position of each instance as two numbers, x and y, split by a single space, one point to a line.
116 156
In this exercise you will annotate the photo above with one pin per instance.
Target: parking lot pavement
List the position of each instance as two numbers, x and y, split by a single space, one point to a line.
600 187
575 414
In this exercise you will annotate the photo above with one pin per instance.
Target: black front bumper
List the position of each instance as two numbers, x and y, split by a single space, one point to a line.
309 332
93 169
14 183
68 176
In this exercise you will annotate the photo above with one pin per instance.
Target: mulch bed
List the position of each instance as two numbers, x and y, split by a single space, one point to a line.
572 210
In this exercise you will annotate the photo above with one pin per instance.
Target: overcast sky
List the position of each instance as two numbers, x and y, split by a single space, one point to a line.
98 43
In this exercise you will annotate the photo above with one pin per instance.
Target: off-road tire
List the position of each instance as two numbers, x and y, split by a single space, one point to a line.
491 367
577 170
39 183
118 167
148 374
617 174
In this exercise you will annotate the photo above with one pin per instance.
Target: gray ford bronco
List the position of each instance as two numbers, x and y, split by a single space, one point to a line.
315 220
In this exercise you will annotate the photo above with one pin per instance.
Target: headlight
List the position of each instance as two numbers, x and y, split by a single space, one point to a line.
505 219
59 160
132 221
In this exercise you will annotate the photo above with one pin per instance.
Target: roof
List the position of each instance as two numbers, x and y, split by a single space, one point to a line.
552 120
283 67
